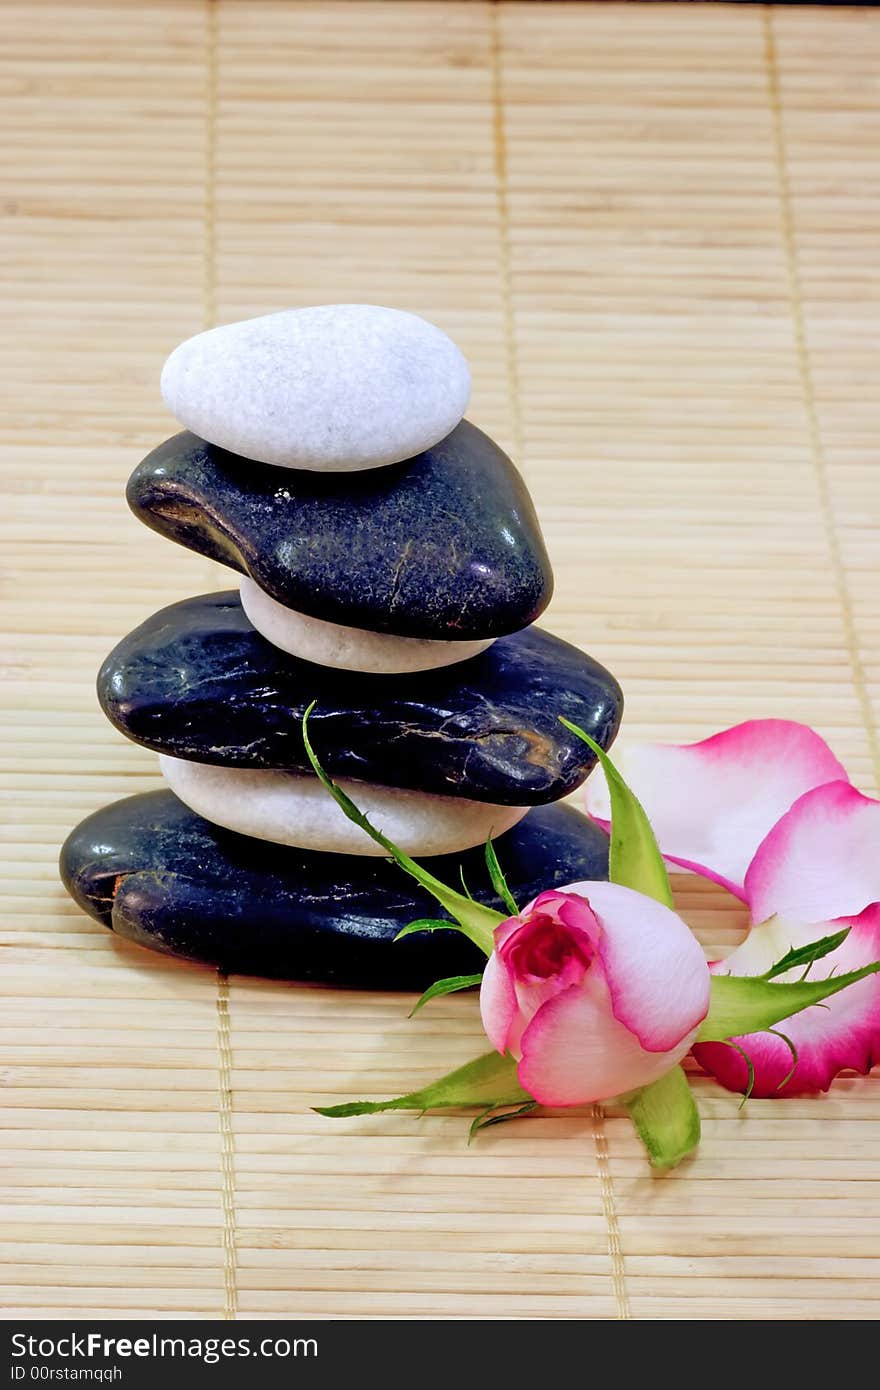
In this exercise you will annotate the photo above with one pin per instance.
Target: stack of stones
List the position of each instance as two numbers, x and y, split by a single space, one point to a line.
392 565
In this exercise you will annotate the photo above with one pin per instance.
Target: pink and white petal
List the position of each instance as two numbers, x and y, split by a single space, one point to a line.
711 803
547 903
843 1034
498 1006
532 994
575 1051
506 928
657 975
566 917
768 943
822 859
575 912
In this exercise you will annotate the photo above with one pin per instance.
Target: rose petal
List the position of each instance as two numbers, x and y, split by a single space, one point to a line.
655 968
575 1051
565 916
498 1007
842 1034
548 902
822 860
711 803
508 927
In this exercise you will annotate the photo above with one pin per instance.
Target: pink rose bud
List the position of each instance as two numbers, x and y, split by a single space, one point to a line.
596 990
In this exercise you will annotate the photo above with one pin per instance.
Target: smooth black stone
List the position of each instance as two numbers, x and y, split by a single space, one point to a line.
197 681
158 874
445 545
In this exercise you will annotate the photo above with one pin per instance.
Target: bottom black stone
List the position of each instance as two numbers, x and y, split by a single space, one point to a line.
156 873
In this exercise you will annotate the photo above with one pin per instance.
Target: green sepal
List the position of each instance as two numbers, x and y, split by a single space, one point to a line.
447 986
794 1056
494 1116
806 955
477 922
743 1004
750 1069
499 882
634 858
488 1081
426 924
666 1118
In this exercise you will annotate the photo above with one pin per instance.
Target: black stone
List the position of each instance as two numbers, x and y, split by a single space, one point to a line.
445 545
197 681
156 873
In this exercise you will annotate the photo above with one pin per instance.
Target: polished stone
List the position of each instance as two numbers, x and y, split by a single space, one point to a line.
156 873
328 387
445 546
293 808
196 681
347 648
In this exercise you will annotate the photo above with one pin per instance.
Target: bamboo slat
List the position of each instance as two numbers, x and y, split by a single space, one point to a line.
652 229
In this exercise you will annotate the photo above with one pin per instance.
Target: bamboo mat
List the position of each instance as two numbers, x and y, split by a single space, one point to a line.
653 230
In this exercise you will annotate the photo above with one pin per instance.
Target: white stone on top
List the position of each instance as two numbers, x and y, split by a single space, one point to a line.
292 808
347 648
334 388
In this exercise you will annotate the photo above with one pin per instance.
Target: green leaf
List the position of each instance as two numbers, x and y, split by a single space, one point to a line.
806 955
666 1119
634 858
499 882
447 986
489 1081
426 924
474 920
743 1004
494 1116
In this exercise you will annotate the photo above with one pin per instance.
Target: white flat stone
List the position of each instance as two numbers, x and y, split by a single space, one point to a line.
293 808
335 388
349 648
